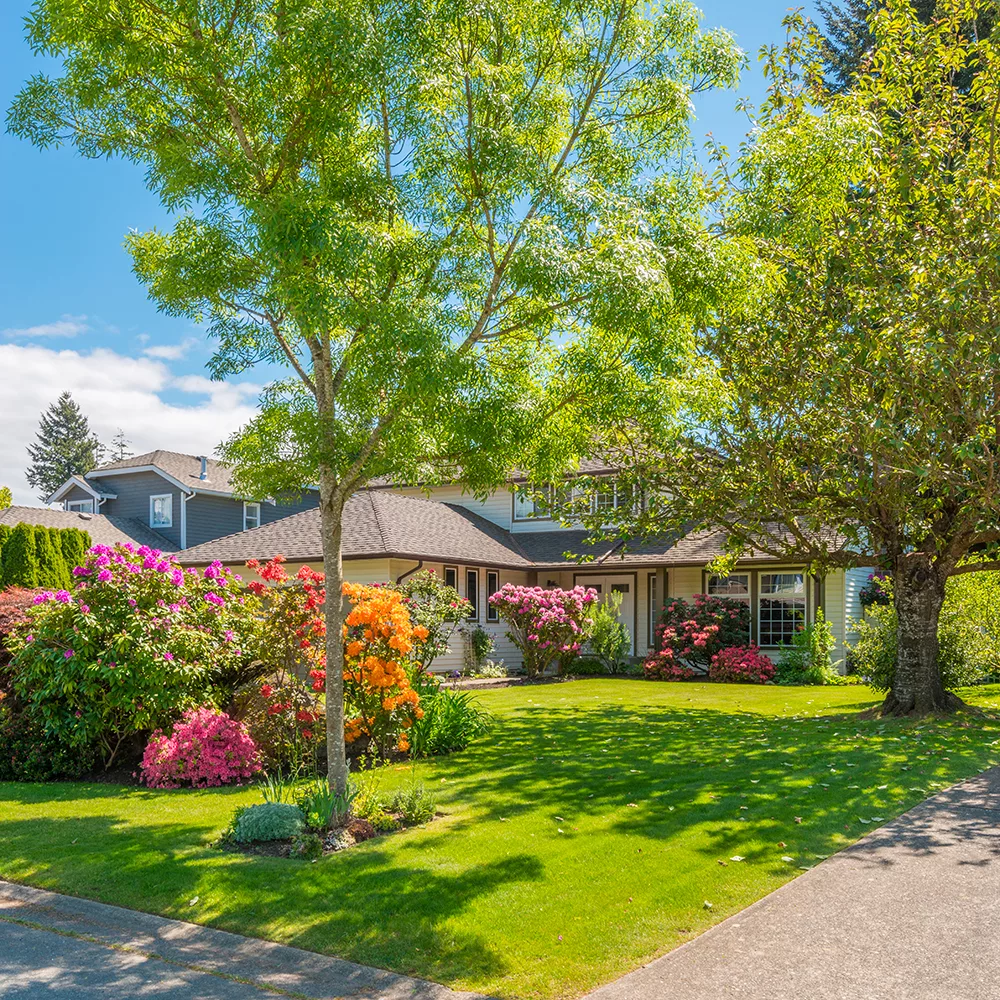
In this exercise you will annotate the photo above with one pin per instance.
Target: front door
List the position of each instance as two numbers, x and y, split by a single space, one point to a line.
625 585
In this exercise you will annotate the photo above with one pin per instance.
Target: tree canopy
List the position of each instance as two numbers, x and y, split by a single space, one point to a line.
856 413
469 234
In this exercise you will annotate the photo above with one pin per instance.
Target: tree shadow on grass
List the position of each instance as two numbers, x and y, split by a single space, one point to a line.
365 905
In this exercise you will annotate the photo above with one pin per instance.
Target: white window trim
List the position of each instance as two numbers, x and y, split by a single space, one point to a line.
81 506
532 516
735 597
782 571
246 505
169 497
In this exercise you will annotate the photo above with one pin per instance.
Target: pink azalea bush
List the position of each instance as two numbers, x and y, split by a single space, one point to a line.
137 641
205 748
741 665
690 634
545 624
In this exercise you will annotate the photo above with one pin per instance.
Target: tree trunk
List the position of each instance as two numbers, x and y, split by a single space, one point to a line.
331 520
918 595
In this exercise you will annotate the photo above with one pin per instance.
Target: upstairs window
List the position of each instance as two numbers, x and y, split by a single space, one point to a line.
528 509
161 511
251 516
81 506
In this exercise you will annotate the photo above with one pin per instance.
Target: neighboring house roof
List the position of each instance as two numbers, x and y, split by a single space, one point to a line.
103 530
184 469
97 489
376 524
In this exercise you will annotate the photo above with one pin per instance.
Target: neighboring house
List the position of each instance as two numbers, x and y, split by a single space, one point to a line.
478 546
188 499
102 530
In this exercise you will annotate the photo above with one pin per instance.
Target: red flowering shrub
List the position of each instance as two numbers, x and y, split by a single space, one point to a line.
689 635
741 665
661 666
14 604
204 748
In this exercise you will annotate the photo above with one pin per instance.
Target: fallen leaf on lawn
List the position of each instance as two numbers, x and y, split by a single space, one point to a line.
632 805
853 786
785 857
706 905
737 857
503 819
861 819
878 819
559 819
798 819
744 807
191 902
725 864
882 788
755 781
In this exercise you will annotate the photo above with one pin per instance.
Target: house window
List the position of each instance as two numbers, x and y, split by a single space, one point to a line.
251 516
653 608
472 592
451 577
161 511
782 610
81 506
528 509
735 587
492 586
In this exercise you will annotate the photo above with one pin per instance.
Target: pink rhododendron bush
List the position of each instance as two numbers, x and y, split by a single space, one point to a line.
741 665
690 635
205 748
546 625
136 642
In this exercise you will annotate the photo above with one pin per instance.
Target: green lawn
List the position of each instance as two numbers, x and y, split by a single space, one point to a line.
579 842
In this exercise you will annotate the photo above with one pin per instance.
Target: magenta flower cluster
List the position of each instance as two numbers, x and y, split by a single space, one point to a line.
205 748
741 665
545 623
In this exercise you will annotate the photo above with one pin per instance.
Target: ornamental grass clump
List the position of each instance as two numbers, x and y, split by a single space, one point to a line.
205 748
545 624
137 642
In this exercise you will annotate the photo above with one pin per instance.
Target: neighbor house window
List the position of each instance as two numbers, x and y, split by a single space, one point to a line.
251 516
81 506
451 577
782 610
472 592
161 511
492 586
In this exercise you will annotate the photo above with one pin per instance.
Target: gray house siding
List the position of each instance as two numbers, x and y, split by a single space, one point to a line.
134 491
211 517
79 493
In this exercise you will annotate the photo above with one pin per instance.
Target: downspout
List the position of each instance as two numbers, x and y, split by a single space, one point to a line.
184 521
410 572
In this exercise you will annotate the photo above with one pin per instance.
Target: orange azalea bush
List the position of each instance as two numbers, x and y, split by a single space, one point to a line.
380 640
381 644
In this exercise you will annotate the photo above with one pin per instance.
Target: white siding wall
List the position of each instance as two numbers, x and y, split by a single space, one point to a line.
834 610
854 580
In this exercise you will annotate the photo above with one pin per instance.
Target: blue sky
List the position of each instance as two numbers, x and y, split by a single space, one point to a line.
73 316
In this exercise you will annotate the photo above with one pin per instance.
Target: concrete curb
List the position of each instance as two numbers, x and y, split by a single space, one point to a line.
263 964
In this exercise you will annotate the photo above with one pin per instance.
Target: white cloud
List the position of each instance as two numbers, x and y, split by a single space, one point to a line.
171 352
113 391
65 326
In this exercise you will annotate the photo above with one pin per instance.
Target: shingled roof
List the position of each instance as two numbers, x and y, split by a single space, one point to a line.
375 524
103 530
184 468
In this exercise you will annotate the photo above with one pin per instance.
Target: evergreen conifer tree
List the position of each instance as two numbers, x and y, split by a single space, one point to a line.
74 543
65 447
20 563
65 581
120 449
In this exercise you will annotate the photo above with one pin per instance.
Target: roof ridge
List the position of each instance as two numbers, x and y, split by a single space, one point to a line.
378 519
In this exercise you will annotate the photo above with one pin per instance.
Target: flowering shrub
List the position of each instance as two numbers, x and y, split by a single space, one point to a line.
139 641
689 635
205 748
740 665
436 607
661 666
545 624
877 591
379 639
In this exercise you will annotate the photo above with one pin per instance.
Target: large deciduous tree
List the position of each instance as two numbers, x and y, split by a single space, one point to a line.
857 409
65 446
460 227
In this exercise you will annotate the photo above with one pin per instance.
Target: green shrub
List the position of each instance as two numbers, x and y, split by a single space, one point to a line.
307 846
452 720
968 635
5 531
265 821
609 638
478 645
808 659
74 544
587 666
27 753
52 571
20 565
414 803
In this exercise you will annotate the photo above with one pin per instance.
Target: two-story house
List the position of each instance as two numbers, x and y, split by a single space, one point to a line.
185 499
